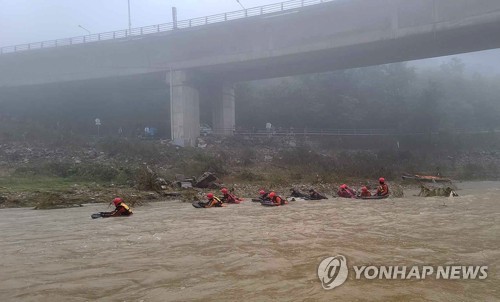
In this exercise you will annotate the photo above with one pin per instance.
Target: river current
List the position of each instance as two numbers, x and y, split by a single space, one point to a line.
170 251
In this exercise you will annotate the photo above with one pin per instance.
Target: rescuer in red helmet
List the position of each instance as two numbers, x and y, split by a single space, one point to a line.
277 200
212 201
365 192
383 188
121 209
263 196
228 197
346 192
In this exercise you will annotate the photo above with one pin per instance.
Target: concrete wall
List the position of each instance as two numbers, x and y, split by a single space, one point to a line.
335 35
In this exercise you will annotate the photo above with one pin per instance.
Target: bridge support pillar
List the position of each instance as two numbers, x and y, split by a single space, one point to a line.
223 110
184 108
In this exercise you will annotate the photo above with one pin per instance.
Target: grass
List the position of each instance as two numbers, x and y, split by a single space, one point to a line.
39 184
44 192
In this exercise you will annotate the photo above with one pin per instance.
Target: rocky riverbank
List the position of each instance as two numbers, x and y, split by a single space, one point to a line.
51 176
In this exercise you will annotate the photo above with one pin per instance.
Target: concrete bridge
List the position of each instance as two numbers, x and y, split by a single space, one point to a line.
202 58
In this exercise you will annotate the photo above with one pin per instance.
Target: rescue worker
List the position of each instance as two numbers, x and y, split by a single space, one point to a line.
212 202
365 192
277 200
346 192
121 209
383 188
296 193
228 197
264 195
313 195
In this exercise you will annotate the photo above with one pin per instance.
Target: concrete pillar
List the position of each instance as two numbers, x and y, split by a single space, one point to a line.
185 108
223 110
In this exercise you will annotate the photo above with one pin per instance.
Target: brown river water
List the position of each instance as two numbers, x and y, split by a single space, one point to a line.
170 251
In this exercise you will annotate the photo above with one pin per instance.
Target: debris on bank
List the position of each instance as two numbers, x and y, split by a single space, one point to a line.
186 189
431 191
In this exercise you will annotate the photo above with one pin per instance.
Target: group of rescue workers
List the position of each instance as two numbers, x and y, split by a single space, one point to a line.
346 192
213 201
270 198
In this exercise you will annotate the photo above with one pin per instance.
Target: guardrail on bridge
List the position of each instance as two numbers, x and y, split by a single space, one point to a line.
158 28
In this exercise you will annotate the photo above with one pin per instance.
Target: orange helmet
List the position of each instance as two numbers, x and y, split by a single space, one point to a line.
224 191
344 186
364 189
272 194
210 195
381 180
117 201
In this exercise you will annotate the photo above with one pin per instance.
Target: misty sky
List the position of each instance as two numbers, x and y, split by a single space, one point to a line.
24 21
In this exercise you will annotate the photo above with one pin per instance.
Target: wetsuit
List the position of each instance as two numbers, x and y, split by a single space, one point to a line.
346 193
279 201
383 190
121 210
365 194
212 202
316 196
265 197
230 198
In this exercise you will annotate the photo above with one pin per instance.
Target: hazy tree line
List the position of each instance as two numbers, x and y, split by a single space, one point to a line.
68 110
393 96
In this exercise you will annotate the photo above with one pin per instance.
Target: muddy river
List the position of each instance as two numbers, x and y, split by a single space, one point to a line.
170 251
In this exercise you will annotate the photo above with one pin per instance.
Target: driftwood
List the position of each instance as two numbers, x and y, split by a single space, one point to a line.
426 191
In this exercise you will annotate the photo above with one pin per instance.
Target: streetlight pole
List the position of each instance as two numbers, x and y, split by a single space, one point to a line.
85 29
240 4
129 19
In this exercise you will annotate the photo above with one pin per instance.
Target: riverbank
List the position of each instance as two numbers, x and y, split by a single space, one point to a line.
56 193
53 176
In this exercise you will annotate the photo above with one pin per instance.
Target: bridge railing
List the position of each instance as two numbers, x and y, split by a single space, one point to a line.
158 28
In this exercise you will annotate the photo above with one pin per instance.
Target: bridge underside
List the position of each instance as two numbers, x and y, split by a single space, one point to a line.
415 47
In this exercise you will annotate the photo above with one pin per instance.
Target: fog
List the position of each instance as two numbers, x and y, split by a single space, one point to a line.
25 21
286 101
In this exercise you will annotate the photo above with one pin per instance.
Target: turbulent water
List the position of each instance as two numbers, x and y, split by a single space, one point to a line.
170 251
